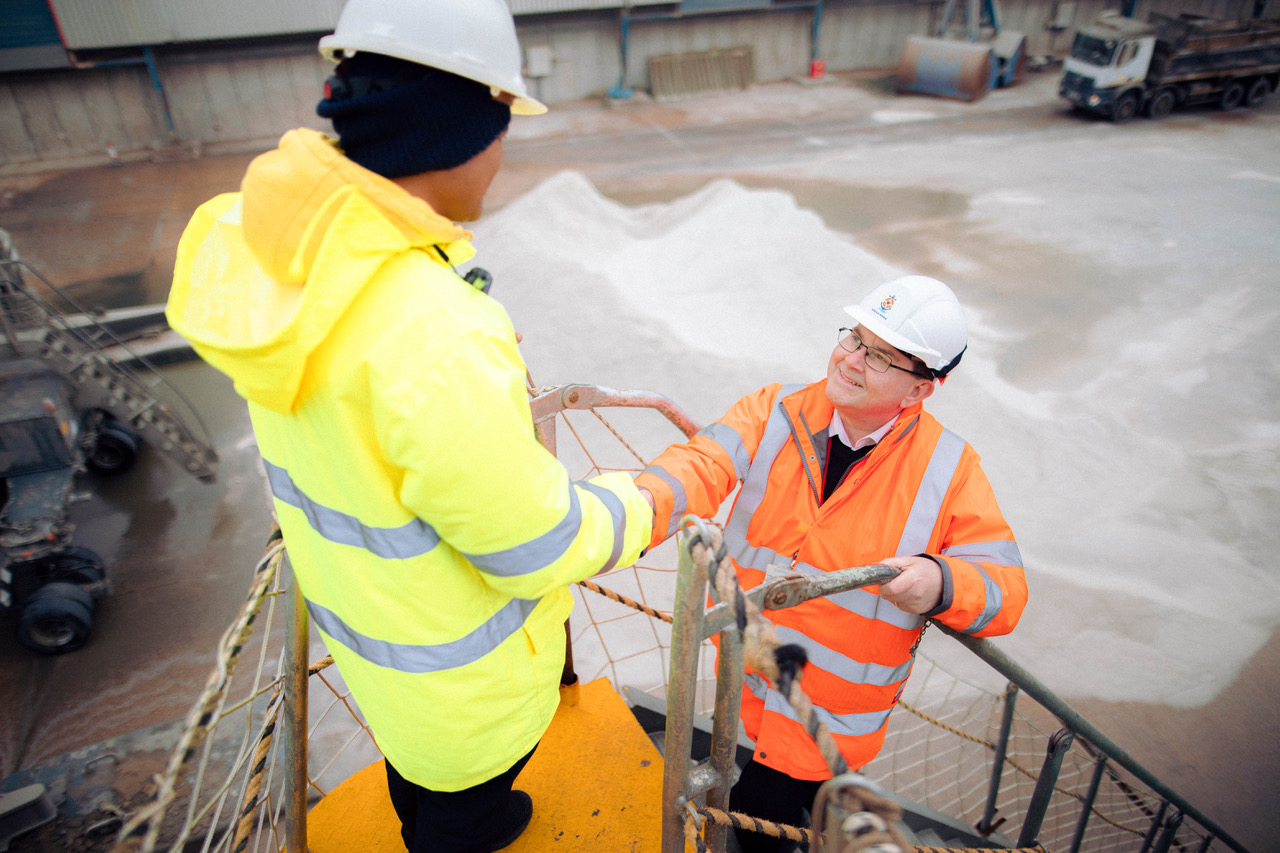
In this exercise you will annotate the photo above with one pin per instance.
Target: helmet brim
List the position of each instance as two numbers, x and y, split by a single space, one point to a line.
522 105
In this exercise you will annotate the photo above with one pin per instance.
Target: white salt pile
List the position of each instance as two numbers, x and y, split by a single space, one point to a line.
1139 476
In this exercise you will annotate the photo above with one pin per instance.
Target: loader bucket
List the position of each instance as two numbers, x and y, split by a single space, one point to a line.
952 69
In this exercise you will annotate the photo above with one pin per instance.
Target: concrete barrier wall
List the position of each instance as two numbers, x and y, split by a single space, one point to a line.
245 97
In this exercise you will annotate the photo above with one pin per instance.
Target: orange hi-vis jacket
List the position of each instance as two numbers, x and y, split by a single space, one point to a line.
919 491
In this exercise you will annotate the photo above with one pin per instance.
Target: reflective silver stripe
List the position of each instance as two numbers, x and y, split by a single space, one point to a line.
776 432
1004 552
745 554
619 514
853 725
994 598
842 665
731 443
680 499
412 539
540 552
929 497
403 657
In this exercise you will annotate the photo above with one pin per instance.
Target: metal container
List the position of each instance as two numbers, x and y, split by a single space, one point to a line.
950 69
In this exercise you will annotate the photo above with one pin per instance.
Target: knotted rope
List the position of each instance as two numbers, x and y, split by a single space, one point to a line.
142 830
870 825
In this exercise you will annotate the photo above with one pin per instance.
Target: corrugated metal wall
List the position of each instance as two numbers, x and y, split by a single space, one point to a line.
90 24
249 99
536 7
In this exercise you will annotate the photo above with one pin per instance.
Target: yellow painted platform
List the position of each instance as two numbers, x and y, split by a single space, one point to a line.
595 780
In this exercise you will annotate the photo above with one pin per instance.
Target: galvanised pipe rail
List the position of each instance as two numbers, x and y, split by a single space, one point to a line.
1072 719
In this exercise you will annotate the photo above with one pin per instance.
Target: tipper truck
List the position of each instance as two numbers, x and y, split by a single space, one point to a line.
1119 67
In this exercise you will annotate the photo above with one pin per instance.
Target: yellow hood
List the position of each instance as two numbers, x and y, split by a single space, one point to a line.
263 275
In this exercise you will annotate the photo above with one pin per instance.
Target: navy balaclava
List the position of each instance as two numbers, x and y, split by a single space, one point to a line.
397 118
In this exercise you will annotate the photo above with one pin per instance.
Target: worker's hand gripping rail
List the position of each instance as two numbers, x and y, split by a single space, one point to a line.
744 634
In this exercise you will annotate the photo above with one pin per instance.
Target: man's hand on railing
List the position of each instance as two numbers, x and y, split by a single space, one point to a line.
918 589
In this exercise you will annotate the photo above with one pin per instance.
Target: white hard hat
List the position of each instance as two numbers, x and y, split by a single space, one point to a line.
475 39
919 316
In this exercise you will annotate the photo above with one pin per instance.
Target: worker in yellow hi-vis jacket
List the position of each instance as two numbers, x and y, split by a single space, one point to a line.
432 536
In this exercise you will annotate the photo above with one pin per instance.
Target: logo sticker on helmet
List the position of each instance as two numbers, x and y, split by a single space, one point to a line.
887 303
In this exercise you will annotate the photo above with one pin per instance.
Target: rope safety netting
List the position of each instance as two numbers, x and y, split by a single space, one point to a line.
222 789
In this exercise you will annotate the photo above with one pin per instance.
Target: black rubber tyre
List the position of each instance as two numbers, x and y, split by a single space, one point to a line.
1125 109
1162 104
57 619
1232 96
1258 91
76 565
115 450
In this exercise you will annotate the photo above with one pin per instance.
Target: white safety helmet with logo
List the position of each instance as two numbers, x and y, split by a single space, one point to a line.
919 316
475 39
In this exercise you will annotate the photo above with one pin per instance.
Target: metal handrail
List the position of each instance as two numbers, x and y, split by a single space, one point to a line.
1077 724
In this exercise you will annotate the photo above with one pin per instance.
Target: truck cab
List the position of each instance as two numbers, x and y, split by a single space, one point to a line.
1107 69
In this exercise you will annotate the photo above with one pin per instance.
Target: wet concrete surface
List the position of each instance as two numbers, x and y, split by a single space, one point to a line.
181 552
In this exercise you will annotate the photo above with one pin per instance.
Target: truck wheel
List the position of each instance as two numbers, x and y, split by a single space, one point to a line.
1258 92
56 619
1162 104
76 565
115 450
1124 109
1232 96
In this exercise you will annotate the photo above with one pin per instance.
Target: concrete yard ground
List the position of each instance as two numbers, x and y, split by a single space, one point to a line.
1121 385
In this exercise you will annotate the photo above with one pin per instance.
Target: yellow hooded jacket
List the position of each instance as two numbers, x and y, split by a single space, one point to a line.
431 534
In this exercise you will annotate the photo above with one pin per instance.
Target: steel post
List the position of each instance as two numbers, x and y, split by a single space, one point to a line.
686 636
1089 798
1150 837
988 825
724 731
1168 832
293 712
1059 743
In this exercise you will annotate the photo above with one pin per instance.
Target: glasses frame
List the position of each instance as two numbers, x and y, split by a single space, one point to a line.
845 333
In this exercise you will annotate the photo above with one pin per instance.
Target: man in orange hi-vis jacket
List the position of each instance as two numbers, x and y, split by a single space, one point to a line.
849 471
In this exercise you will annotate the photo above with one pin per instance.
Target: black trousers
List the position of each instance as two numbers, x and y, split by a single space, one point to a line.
451 821
772 795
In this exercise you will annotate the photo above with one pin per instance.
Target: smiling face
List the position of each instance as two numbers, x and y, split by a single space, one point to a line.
865 399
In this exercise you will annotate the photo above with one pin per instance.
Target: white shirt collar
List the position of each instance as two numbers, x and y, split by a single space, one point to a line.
837 429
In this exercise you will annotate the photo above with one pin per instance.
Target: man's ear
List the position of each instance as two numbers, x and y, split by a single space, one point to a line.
920 391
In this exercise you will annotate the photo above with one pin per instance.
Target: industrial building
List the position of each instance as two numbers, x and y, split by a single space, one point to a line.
80 80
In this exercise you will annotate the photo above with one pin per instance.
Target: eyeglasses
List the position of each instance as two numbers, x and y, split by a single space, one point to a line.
878 361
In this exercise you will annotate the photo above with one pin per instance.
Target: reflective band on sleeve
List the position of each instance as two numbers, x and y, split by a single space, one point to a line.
404 657
841 665
731 443
680 499
994 597
930 495
412 539
1005 553
536 553
619 514
850 725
